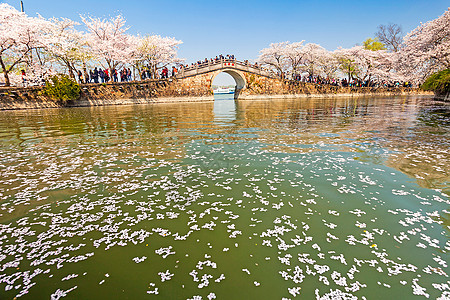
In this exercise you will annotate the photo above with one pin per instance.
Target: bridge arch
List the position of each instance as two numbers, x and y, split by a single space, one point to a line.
236 69
238 77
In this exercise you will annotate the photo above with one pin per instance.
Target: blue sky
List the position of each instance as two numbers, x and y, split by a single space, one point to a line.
242 28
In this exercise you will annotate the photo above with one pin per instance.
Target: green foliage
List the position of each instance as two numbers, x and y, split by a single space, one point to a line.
373 44
62 88
348 66
438 82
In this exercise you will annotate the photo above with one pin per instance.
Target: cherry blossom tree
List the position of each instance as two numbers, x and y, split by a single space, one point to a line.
67 45
385 69
19 35
367 65
314 54
294 53
154 51
108 41
275 57
426 49
329 64
293 58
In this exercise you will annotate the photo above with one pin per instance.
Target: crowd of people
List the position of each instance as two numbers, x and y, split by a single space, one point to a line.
350 83
211 60
99 75
148 74
371 83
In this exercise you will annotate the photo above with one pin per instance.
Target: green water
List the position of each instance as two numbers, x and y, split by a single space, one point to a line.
333 198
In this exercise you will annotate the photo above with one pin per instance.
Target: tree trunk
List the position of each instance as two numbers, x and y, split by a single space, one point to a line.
71 74
86 75
139 70
5 72
111 67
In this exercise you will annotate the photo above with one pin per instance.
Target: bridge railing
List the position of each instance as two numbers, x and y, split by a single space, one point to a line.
204 67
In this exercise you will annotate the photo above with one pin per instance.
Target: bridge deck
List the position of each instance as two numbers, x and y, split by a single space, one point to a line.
222 64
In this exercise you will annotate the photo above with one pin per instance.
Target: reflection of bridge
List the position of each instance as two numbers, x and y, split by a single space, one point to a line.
234 68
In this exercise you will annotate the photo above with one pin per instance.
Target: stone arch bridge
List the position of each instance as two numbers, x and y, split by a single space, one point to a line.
205 73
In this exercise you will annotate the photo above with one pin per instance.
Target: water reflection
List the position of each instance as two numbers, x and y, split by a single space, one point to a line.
416 132
224 111
399 126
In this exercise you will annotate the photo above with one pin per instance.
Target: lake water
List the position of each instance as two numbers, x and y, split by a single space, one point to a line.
329 198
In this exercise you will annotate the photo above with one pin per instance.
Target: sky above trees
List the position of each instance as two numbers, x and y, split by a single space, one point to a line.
242 28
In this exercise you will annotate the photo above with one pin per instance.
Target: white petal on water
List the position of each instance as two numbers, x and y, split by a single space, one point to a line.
165 276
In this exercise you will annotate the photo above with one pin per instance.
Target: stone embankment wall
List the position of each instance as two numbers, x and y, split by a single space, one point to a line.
149 91
259 87
197 88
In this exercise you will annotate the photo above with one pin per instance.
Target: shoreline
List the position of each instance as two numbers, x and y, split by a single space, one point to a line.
173 91
172 100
